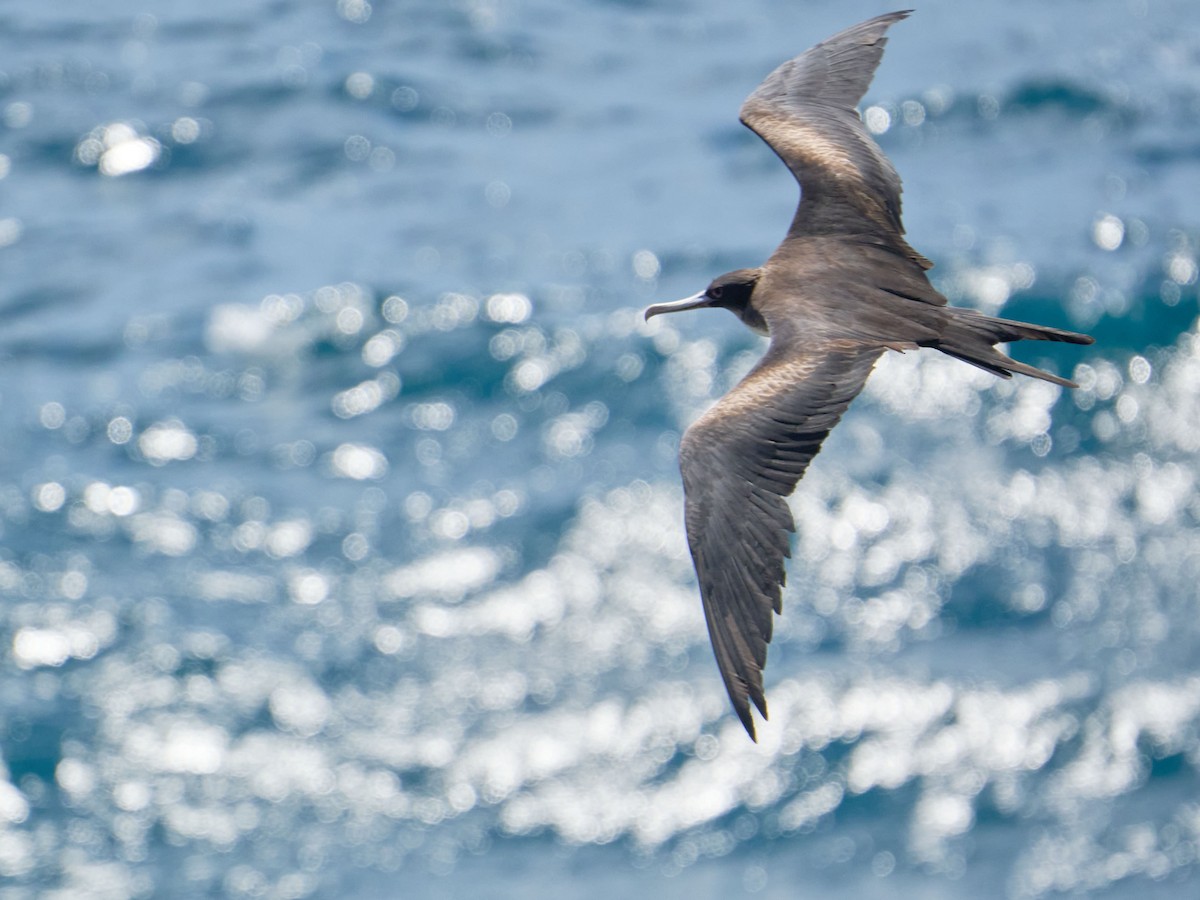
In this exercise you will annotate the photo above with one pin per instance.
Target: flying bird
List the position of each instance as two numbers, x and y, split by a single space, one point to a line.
842 287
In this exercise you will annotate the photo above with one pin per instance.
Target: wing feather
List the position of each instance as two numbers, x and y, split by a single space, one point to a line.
739 462
805 111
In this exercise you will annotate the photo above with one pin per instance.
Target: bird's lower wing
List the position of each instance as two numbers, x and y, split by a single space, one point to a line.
739 461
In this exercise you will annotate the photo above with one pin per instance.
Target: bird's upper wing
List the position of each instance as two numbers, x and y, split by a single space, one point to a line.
739 461
805 111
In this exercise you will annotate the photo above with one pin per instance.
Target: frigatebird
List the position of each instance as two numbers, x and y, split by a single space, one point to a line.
843 287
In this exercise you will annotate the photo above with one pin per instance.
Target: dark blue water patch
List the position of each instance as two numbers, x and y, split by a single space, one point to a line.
265 95
434 361
55 152
1170 765
975 604
202 157
28 31
985 597
491 50
1044 98
36 301
30 743
868 810
1069 97
1163 155
80 351
169 28
640 5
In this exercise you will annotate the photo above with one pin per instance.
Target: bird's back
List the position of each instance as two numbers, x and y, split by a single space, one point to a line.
846 286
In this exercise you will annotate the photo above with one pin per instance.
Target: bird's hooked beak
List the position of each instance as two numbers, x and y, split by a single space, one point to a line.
696 301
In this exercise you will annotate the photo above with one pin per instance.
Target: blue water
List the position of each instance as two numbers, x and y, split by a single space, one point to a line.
341 546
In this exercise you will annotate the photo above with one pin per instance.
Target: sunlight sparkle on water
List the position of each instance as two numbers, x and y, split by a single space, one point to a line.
358 461
166 442
1108 232
118 149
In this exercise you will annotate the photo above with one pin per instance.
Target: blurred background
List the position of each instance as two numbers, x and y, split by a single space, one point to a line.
342 545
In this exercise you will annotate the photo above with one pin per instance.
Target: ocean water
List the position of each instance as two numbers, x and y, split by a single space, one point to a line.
341 543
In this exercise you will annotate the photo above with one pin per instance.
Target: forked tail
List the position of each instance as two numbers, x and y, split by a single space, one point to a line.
971 336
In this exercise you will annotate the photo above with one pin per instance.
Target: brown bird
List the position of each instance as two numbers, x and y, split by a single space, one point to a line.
842 287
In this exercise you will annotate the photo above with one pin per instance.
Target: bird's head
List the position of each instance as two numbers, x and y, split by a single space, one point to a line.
732 291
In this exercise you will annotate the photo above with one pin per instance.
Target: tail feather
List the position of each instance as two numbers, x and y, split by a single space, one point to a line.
971 336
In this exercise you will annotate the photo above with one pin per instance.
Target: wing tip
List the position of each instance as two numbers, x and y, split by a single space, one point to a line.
869 32
889 19
746 716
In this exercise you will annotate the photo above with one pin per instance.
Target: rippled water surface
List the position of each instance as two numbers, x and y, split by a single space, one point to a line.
341 548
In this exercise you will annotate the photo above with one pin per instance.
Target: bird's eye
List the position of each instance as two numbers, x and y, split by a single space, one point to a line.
716 292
